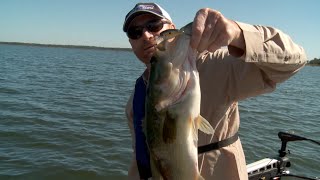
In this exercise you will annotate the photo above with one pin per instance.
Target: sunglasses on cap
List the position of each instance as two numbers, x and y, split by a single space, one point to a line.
135 32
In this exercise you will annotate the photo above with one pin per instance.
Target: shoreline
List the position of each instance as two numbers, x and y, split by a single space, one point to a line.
66 46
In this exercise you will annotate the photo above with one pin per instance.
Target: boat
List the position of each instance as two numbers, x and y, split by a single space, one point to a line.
277 167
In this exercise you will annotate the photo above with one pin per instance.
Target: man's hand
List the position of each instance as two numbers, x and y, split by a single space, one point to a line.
211 31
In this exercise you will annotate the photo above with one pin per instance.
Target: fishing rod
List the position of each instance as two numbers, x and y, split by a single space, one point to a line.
275 168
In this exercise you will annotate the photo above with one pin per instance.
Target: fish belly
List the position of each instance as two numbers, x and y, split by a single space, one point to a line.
173 151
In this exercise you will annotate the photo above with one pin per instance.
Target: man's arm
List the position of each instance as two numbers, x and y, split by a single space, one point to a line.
272 51
211 31
270 57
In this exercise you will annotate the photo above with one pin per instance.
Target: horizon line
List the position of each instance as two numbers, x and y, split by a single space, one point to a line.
65 46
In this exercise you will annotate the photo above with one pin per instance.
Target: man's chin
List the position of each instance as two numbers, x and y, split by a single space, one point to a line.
148 53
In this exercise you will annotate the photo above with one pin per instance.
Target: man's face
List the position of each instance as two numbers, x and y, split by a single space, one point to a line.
144 46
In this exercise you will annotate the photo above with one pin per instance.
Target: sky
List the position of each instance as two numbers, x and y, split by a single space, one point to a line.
99 22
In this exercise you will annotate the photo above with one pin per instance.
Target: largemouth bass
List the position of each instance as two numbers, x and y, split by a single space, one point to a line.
173 108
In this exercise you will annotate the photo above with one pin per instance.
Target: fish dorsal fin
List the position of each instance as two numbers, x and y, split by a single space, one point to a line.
204 125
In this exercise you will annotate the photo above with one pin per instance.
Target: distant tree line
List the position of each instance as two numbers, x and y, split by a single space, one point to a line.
315 61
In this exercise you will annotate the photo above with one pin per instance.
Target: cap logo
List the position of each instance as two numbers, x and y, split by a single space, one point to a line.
145 7
142 8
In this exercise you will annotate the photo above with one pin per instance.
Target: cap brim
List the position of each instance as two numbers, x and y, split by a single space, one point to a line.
135 14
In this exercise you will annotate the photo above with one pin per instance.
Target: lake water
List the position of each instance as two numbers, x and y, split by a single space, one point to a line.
62 114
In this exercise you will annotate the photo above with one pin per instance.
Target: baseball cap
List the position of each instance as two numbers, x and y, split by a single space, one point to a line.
142 8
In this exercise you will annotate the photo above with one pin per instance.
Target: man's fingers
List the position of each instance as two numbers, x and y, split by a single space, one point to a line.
217 31
220 40
198 27
203 43
209 31
206 27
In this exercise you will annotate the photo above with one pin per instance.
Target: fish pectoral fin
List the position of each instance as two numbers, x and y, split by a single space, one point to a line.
204 125
195 130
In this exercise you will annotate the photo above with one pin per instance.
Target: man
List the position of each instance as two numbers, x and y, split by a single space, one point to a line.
256 59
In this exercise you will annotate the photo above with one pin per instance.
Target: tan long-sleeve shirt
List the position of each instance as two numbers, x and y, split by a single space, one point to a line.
270 57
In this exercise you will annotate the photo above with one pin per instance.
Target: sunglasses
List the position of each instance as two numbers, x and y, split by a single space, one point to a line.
135 32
